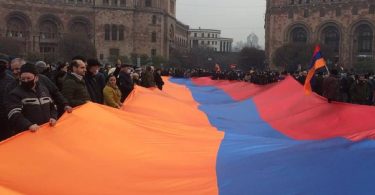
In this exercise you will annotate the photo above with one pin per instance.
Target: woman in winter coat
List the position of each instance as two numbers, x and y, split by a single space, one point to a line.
111 92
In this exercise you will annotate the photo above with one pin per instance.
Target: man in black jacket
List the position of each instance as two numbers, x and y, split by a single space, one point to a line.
94 81
5 79
158 80
125 81
30 104
56 95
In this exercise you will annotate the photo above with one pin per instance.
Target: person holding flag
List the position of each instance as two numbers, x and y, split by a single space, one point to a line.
330 84
331 87
316 63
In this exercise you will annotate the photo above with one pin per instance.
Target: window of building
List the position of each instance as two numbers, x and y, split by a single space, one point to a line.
114 2
107 32
365 38
16 27
153 37
290 14
306 13
47 48
105 2
338 11
154 19
123 3
299 35
172 6
355 11
153 52
114 32
372 9
322 13
331 38
195 43
121 32
48 30
148 3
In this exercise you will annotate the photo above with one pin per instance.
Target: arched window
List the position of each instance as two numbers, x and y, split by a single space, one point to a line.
299 35
365 38
48 30
331 38
16 27
81 27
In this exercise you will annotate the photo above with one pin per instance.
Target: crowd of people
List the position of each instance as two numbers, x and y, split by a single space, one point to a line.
32 94
253 76
343 86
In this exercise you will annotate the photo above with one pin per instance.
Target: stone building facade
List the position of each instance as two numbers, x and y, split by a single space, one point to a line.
346 26
116 27
209 38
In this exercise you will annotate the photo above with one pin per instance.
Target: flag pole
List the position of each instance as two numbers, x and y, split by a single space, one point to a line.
329 73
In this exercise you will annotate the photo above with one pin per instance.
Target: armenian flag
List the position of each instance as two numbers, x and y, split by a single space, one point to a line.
316 63
199 136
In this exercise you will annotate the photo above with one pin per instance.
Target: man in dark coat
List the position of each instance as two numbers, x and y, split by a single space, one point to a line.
118 68
318 83
148 79
94 82
30 105
56 95
158 80
74 86
125 81
5 80
331 87
360 91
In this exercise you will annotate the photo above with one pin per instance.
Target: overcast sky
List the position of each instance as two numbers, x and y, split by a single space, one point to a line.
236 19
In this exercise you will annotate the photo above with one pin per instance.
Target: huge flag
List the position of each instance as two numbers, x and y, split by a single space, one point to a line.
199 137
316 63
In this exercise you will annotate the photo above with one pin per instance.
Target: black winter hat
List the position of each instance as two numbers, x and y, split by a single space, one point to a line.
93 62
30 68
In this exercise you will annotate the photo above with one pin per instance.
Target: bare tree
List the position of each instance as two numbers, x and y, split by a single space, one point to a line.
290 56
251 57
76 44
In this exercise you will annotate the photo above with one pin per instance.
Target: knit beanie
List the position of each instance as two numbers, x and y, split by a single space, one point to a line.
30 68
